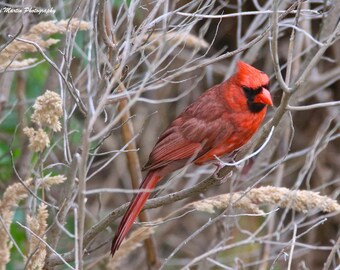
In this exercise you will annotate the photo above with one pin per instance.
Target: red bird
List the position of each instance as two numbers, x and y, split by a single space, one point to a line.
220 121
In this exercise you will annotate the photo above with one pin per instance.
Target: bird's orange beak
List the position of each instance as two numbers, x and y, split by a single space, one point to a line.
264 97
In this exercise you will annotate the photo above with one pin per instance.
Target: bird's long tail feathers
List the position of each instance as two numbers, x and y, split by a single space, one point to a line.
134 209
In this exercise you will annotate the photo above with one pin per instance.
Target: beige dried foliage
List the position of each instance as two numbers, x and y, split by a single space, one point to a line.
38 139
36 34
221 202
37 249
12 195
53 27
51 180
18 64
16 48
130 244
299 200
48 108
174 38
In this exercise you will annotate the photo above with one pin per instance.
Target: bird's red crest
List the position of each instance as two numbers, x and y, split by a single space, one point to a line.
250 76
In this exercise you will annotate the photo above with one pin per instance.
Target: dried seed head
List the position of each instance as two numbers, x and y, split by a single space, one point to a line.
299 200
134 241
47 110
53 27
52 180
37 249
38 139
11 56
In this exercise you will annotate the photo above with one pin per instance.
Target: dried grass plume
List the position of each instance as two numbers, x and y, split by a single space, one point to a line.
48 108
130 244
48 181
38 139
299 200
174 38
62 26
12 196
37 249
10 56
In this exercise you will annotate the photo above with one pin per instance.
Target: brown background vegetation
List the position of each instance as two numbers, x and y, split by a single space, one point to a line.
146 61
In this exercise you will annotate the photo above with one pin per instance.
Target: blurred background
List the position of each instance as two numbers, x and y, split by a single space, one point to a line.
138 64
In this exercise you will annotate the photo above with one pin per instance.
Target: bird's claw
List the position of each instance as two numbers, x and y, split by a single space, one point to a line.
222 179
219 166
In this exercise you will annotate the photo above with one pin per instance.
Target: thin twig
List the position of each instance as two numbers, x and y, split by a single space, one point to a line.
243 13
331 255
291 253
152 203
274 49
46 244
82 199
76 98
101 25
330 40
11 237
313 106
65 202
236 163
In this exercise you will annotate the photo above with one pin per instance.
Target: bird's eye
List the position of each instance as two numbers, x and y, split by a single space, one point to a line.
257 90
250 93
247 90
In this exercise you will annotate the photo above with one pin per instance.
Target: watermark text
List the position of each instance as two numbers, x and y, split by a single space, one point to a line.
32 10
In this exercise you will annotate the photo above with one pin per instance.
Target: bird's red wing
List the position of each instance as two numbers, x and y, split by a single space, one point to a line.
186 141
202 126
171 148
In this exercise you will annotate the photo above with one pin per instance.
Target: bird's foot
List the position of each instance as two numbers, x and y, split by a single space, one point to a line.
219 166
222 179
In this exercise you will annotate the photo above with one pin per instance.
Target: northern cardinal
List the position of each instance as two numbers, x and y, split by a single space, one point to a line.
219 122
